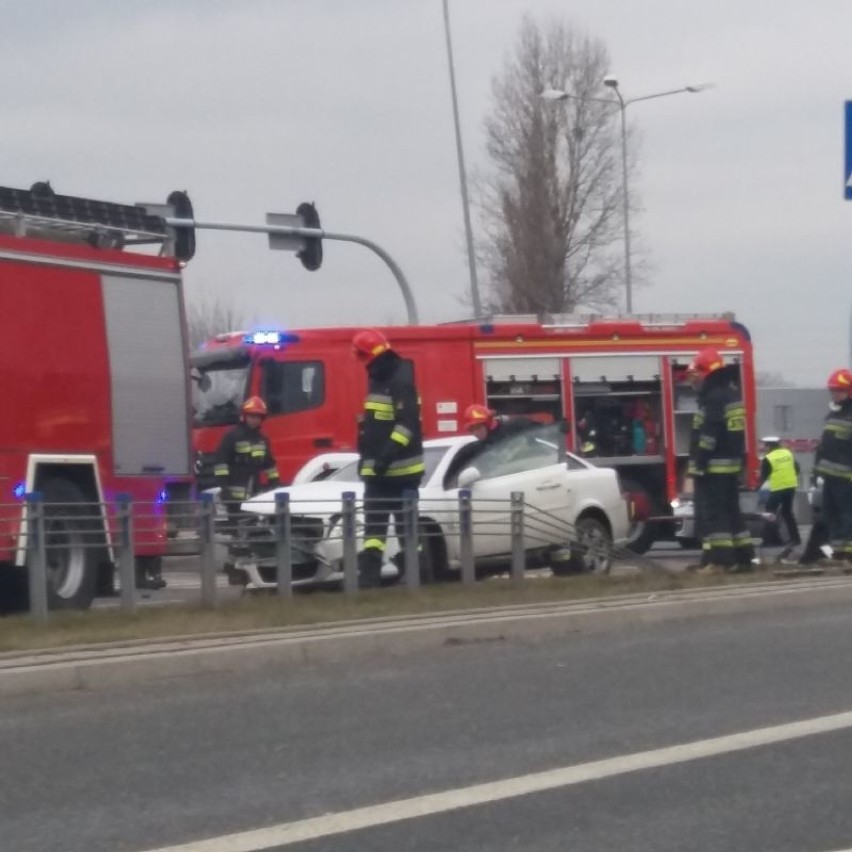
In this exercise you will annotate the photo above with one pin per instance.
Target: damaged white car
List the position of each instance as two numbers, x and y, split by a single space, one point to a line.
573 514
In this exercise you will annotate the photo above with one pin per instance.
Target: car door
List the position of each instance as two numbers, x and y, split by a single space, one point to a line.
529 463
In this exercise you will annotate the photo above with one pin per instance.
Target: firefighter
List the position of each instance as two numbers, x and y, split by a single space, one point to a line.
488 428
779 472
390 446
243 456
834 465
716 457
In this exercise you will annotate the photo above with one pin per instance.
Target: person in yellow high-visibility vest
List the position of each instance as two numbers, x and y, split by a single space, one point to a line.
779 471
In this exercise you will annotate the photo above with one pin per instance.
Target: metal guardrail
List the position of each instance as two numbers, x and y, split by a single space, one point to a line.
117 528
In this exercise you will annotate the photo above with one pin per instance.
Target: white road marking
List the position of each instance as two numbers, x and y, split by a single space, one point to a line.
302 830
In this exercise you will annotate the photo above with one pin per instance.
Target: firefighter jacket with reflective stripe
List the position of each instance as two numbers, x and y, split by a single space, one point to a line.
780 469
390 437
242 457
834 454
717 442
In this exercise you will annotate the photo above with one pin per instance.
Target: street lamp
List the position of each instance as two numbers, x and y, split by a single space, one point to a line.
468 230
622 104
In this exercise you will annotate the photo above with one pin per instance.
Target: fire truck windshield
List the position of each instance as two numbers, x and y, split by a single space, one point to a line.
218 389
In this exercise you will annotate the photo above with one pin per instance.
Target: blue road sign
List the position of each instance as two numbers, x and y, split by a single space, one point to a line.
847 172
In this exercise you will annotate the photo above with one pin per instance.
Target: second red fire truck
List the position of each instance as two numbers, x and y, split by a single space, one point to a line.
93 364
616 382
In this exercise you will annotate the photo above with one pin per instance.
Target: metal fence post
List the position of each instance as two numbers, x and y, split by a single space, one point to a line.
36 558
283 541
126 556
410 556
468 572
350 544
518 557
208 551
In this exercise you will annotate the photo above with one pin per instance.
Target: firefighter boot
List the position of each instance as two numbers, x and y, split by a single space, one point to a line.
370 569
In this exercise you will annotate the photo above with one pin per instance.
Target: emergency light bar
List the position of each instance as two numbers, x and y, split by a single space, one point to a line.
270 338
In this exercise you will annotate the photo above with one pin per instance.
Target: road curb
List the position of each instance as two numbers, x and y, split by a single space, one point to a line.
116 667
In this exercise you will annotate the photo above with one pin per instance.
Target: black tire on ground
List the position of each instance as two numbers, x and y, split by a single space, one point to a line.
592 551
433 559
72 569
642 533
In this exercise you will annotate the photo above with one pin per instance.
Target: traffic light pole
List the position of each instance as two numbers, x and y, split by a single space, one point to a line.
288 231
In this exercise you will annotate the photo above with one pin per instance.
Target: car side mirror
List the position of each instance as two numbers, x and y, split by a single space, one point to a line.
468 476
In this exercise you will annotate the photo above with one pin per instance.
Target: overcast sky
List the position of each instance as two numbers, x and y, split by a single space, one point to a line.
257 105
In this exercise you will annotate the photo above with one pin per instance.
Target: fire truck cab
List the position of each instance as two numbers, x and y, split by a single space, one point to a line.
93 365
616 383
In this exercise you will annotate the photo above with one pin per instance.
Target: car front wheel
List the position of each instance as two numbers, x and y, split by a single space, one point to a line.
590 552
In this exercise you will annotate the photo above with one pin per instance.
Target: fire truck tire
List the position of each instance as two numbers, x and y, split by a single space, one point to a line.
642 533
590 553
72 570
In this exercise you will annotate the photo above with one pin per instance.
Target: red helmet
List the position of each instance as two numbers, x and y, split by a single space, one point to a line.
706 361
840 380
369 344
478 415
255 405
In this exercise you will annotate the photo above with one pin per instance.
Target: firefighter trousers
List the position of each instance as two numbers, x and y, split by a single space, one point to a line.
725 540
383 497
837 512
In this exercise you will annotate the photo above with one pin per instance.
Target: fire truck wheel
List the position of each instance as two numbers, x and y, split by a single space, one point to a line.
71 564
642 533
591 553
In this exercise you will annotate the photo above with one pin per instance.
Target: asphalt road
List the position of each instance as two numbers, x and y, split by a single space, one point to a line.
506 738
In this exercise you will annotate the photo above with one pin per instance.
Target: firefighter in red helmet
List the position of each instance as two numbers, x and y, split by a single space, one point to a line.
834 464
716 462
244 456
390 446
488 428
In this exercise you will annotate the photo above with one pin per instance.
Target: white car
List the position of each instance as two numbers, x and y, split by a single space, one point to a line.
573 512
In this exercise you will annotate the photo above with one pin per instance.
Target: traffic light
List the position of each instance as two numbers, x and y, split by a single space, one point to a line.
184 237
311 254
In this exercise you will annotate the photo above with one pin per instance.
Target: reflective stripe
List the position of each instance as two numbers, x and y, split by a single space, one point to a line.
836 469
400 439
220 470
237 492
707 442
724 466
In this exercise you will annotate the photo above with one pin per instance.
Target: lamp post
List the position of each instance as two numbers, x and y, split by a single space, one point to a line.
622 104
471 257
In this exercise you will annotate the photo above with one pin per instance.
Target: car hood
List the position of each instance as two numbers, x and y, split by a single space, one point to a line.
309 498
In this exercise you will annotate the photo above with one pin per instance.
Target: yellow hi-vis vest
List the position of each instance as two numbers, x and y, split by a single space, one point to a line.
783 470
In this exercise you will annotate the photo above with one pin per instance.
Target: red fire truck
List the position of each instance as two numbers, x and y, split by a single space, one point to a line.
93 360
617 382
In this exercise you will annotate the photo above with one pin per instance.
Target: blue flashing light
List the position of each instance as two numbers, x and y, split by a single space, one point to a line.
162 496
267 337
19 490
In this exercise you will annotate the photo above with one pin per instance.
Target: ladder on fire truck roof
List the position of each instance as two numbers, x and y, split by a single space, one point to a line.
39 212
557 321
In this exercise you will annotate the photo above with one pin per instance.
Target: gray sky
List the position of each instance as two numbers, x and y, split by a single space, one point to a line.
257 105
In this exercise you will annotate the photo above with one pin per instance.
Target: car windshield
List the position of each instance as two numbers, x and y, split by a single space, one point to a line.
218 388
431 457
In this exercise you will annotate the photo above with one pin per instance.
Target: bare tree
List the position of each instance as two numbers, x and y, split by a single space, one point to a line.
550 202
207 317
